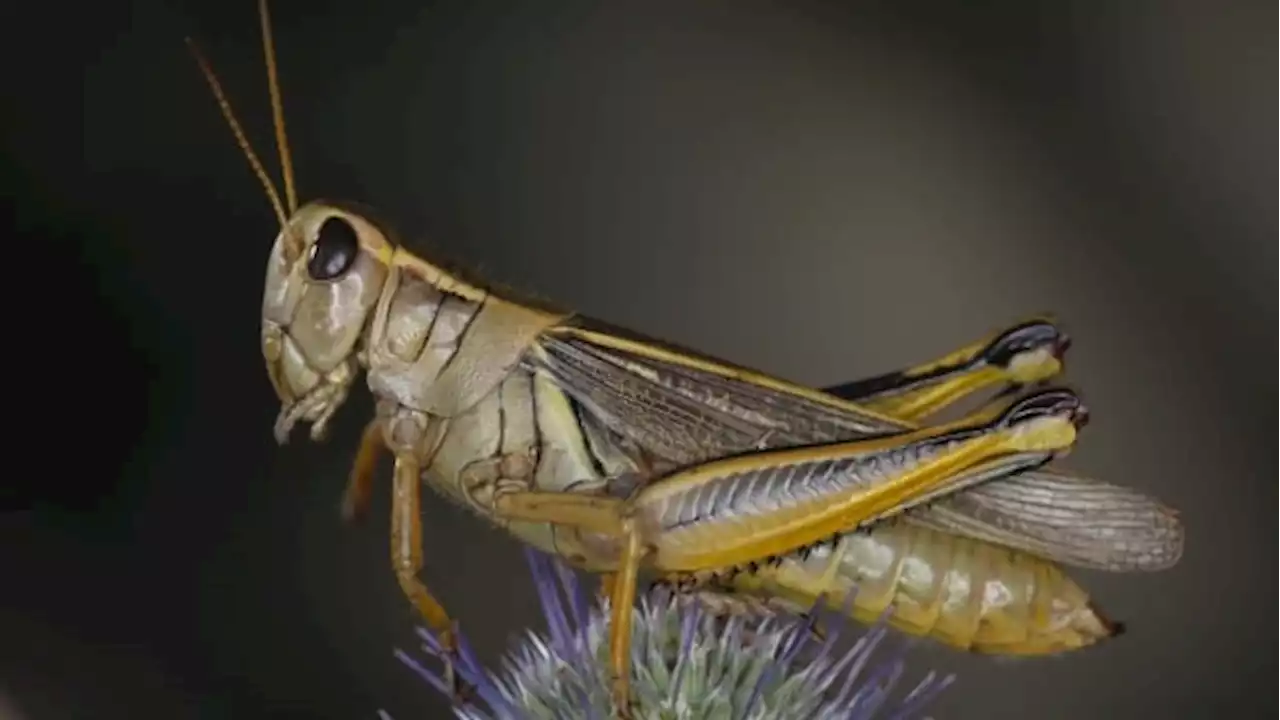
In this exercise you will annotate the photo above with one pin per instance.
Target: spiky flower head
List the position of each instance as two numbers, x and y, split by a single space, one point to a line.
686 662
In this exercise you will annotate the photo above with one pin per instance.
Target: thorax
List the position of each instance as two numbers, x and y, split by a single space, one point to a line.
452 391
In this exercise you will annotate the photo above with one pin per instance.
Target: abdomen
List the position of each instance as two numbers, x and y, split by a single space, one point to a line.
965 593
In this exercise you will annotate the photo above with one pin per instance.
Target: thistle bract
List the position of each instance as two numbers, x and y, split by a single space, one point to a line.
686 662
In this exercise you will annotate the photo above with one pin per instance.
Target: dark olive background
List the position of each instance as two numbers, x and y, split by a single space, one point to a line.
823 191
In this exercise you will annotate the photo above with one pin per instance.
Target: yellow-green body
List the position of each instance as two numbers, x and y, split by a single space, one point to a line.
471 385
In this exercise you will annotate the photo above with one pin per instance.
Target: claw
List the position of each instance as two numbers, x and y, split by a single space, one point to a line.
621 701
461 691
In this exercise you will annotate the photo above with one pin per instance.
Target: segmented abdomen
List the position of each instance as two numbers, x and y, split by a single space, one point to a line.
965 593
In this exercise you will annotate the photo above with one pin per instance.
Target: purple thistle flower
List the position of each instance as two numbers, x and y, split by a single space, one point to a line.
686 663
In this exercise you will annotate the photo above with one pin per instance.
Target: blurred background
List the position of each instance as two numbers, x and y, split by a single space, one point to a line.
820 190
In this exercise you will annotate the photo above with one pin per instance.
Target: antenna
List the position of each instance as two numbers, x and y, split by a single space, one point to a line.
277 108
207 70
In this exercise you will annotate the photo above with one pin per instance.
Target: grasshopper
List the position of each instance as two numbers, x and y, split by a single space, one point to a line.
625 455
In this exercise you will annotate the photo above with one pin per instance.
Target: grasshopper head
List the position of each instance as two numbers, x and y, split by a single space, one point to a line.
324 276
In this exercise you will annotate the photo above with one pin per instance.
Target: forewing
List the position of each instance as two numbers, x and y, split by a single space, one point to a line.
686 412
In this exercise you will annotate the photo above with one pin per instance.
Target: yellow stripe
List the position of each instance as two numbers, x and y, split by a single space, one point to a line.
437 277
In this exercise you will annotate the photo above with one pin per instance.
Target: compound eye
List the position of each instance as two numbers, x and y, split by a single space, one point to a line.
334 251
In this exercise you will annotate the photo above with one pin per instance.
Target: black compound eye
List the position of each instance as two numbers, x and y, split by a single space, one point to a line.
334 251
